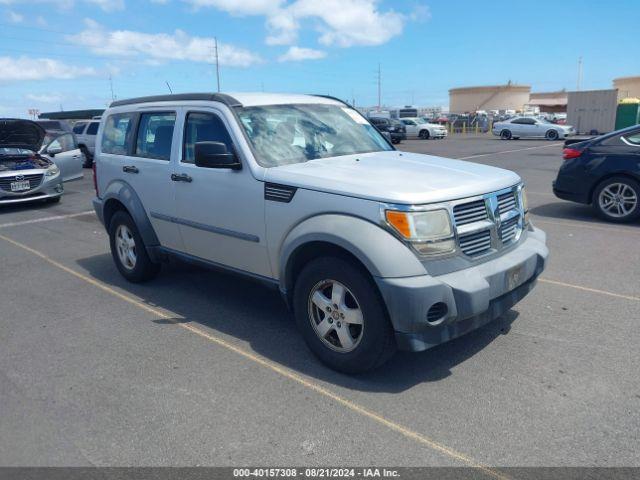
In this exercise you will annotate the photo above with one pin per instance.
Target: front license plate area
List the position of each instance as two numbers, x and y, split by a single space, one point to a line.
515 277
20 186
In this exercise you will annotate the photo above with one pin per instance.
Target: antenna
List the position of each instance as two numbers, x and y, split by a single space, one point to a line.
113 97
215 43
379 87
579 82
168 86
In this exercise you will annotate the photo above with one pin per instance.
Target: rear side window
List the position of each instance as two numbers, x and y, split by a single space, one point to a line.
92 129
155 134
203 127
78 128
116 138
633 138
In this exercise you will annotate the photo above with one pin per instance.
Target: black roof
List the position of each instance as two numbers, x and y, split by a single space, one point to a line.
71 114
214 97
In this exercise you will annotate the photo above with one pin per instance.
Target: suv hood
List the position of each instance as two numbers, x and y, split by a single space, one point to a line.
17 133
395 177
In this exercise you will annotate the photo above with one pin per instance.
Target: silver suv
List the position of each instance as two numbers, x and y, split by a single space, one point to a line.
372 248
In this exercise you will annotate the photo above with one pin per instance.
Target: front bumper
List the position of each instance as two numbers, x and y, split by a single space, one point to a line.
473 296
440 134
50 188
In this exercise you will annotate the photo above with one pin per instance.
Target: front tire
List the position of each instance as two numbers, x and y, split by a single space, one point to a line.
128 250
552 135
424 134
617 199
505 134
341 316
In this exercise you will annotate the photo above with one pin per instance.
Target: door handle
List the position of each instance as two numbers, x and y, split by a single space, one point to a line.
181 177
130 169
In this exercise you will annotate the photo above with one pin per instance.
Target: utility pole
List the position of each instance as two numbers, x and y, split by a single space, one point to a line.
215 43
579 81
113 97
379 88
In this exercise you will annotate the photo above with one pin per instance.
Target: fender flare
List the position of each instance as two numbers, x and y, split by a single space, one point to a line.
126 195
378 250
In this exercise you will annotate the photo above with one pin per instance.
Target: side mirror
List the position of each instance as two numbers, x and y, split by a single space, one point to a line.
215 155
53 151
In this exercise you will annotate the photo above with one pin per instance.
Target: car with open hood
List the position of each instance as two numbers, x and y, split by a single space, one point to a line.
372 248
34 163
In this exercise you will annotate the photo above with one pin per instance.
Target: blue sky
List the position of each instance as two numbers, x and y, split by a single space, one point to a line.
63 52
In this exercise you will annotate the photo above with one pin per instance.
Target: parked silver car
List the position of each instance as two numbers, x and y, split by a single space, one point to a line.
372 248
86 132
35 163
521 127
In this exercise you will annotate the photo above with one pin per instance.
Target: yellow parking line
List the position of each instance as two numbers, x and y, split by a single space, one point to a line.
283 371
589 289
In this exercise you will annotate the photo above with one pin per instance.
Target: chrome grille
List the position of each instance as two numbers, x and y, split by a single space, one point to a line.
477 243
470 212
488 224
507 202
34 181
509 230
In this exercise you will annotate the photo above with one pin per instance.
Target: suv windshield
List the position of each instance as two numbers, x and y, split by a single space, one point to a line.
286 134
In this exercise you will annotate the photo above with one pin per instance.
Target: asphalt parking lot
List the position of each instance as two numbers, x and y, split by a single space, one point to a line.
202 368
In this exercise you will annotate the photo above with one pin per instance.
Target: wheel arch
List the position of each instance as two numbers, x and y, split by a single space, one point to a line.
372 248
120 196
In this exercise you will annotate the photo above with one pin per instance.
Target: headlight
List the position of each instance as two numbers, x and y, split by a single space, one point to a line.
52 171
430 232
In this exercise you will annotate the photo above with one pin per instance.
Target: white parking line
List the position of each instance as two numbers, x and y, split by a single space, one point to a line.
46 219
510 151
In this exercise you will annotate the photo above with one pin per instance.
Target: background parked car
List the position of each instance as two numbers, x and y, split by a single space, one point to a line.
25 175
604 172
86 134
531 127
416 127
396 130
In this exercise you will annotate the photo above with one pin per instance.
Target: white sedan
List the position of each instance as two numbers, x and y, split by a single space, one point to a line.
417 127
520 127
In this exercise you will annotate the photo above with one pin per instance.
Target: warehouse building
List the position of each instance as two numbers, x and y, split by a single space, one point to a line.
549 102
496 97
628 87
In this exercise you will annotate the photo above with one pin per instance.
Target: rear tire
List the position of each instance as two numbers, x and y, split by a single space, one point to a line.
360 318
505 134
617 199
128 250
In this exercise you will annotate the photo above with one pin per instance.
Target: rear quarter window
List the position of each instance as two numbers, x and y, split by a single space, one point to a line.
117 135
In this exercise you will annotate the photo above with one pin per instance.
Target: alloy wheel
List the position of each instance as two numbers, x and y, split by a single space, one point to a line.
336 316
618 200
126 247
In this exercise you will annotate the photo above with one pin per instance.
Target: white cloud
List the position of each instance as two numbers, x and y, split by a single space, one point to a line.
27 68
297 54
15 17
159 47
44 97
342 23
240 7
108 5
41 21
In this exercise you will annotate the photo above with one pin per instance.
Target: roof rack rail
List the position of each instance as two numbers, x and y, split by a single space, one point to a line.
214 97
331 97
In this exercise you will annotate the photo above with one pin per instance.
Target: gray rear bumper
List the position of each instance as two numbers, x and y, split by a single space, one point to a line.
473 296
